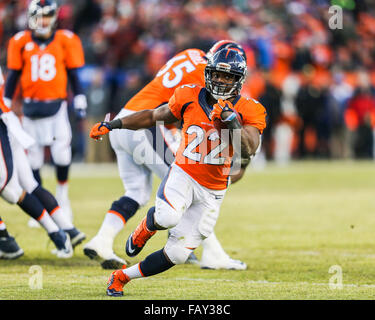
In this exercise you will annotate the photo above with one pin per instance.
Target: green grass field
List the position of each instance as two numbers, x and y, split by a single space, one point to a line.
290 225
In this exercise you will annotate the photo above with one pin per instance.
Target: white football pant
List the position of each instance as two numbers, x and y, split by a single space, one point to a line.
189 209
54 131
137 159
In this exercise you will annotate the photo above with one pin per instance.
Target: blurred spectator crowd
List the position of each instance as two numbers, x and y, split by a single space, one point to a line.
316 83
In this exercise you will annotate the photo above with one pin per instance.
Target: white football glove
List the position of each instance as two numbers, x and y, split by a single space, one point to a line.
80 105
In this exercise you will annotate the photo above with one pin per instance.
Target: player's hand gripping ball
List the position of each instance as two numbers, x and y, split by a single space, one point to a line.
222 111
99 129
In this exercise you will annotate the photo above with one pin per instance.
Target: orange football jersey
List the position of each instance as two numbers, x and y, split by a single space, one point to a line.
202 153
43 66
185 67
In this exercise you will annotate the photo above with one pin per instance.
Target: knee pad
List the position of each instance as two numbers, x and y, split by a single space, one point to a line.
165 215
12 191
35 156
176 252
26 177
61 154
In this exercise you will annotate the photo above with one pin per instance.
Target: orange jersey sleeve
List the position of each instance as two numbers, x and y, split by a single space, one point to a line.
176 102
74 56
15 48
253 113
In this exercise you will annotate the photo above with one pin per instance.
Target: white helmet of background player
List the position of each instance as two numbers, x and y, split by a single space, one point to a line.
39 9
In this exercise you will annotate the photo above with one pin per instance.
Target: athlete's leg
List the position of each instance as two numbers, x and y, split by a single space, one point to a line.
191 222
174 196
35 154
14 194
62 155
9 248
137 181
28 182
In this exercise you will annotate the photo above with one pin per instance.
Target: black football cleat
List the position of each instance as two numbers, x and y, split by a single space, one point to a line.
9 248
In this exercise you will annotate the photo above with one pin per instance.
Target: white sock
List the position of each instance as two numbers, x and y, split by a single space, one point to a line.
212 246
58 215
133 272
111 226
47 223
63 200
62 191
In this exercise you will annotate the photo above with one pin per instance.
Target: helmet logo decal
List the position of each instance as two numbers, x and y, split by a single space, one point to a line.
223 66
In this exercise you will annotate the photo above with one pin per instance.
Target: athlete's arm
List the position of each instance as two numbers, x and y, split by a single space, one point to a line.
138 120
10 86
250 135
148 118
250 139
79 100
238 176
74 81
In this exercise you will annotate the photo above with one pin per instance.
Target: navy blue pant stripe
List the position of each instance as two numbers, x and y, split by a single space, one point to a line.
6 153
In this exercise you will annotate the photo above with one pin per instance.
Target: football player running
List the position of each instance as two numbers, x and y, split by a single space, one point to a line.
136 171
43 59
189 197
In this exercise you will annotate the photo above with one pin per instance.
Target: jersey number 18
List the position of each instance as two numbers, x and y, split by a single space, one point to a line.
43 67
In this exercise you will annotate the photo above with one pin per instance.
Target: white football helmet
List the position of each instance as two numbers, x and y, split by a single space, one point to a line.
39 9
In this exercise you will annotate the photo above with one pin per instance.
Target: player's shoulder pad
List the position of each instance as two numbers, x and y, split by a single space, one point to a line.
22 35
188 88
197 56
66 34
250 103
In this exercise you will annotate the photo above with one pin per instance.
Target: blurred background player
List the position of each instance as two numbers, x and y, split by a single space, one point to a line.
136 170
14 168
9 248
44 58
189 197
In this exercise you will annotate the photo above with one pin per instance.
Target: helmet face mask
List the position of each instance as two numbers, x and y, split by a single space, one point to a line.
38 12
230 62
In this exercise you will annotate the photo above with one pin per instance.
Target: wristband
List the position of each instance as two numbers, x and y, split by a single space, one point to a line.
115 124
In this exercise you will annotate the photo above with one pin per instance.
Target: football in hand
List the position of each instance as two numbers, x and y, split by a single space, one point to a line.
219 124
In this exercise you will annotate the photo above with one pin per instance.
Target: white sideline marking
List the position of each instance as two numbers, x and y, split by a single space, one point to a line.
269 282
